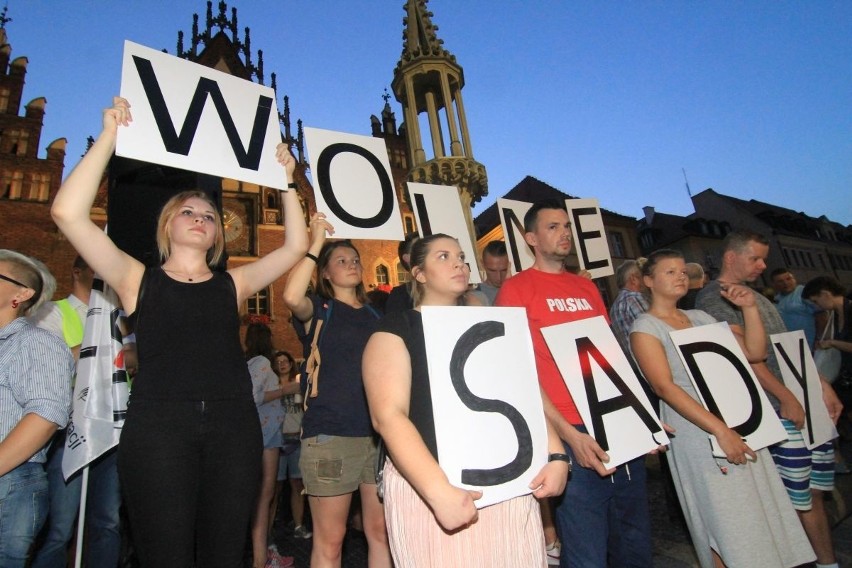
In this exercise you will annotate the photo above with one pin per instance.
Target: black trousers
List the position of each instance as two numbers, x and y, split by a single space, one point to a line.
190 473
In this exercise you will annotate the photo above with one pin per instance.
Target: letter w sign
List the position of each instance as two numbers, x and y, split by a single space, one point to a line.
195 118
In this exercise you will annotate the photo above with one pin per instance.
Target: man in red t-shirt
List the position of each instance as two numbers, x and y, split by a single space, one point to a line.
603 517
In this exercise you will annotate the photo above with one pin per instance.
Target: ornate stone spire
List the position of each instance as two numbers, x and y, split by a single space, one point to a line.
429 80
419 39
219 46
207 37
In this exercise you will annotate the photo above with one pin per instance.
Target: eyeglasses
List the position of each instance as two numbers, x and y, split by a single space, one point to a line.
15 282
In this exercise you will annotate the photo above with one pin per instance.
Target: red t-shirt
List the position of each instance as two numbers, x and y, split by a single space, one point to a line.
552 299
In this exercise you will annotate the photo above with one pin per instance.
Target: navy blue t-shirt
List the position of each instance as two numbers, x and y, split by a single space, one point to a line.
340 407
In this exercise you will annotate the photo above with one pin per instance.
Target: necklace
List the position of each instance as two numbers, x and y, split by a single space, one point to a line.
677 317
189 277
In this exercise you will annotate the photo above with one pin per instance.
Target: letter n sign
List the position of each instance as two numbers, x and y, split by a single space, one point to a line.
726 385
353 185
512 212
192 117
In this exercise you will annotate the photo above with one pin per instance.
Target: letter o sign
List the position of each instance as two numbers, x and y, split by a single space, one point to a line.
323 171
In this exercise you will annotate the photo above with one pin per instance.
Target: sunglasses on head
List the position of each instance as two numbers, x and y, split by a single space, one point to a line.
13 281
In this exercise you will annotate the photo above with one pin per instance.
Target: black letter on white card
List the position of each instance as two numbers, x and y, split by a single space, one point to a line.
690 350
597 408
181 143
802 379
512 224
582 236
323 171
470 340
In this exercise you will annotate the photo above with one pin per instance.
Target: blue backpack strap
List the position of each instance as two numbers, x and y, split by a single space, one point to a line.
326 317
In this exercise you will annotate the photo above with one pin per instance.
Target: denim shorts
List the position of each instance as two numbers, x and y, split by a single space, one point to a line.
288 461
337 465
23 510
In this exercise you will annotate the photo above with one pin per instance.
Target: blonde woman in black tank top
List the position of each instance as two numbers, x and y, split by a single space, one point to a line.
180 460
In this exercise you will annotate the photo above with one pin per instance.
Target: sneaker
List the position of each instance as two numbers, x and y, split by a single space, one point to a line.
302 532
554 551
275 560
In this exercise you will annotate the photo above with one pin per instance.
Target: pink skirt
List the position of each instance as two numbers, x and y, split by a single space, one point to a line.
507 534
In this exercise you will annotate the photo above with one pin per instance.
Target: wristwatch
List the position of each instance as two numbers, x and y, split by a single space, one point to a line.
561 457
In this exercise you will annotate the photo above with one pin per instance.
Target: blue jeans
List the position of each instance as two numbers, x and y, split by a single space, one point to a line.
23 509
604 521
103 536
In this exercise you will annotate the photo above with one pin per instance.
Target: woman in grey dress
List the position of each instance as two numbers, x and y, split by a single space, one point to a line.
737 508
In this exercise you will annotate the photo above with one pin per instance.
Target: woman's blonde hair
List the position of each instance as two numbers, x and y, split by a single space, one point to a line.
170 209
34 274
417 259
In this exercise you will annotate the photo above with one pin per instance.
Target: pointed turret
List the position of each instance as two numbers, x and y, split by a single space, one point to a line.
428 80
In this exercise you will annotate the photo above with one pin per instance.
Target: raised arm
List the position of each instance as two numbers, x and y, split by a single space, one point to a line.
73 204
752 338
300 277
386 369
257 275
652 360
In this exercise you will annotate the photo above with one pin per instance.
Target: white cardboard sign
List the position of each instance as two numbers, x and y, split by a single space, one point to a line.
192 117
800 375
608 395
489 425
353 185
590 236
726 385
512 212
439 210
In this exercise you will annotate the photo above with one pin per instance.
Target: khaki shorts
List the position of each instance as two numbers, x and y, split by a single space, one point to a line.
337 465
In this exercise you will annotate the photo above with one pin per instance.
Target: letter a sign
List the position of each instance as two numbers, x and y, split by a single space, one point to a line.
195 118
611 402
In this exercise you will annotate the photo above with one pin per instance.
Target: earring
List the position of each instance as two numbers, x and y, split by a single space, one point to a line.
15 304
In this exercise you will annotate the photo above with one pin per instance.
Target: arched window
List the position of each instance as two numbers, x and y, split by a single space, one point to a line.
402 274
382 274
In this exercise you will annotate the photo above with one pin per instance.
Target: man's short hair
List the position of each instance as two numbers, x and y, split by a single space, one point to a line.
820 283
531 217
495 248
694 271
624 271
778 272
738 240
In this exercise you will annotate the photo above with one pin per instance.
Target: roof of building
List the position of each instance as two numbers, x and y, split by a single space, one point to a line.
530 190
786 221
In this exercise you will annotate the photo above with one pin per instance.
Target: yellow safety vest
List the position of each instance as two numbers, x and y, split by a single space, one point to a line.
72 325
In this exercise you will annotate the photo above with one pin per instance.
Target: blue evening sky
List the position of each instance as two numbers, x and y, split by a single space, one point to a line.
599 99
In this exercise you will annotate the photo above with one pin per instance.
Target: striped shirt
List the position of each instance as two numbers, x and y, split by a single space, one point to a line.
34 370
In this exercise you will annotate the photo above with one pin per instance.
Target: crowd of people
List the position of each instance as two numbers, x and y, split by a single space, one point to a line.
218 423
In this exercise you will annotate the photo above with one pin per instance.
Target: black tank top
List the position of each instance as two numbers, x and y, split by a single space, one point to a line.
188 340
